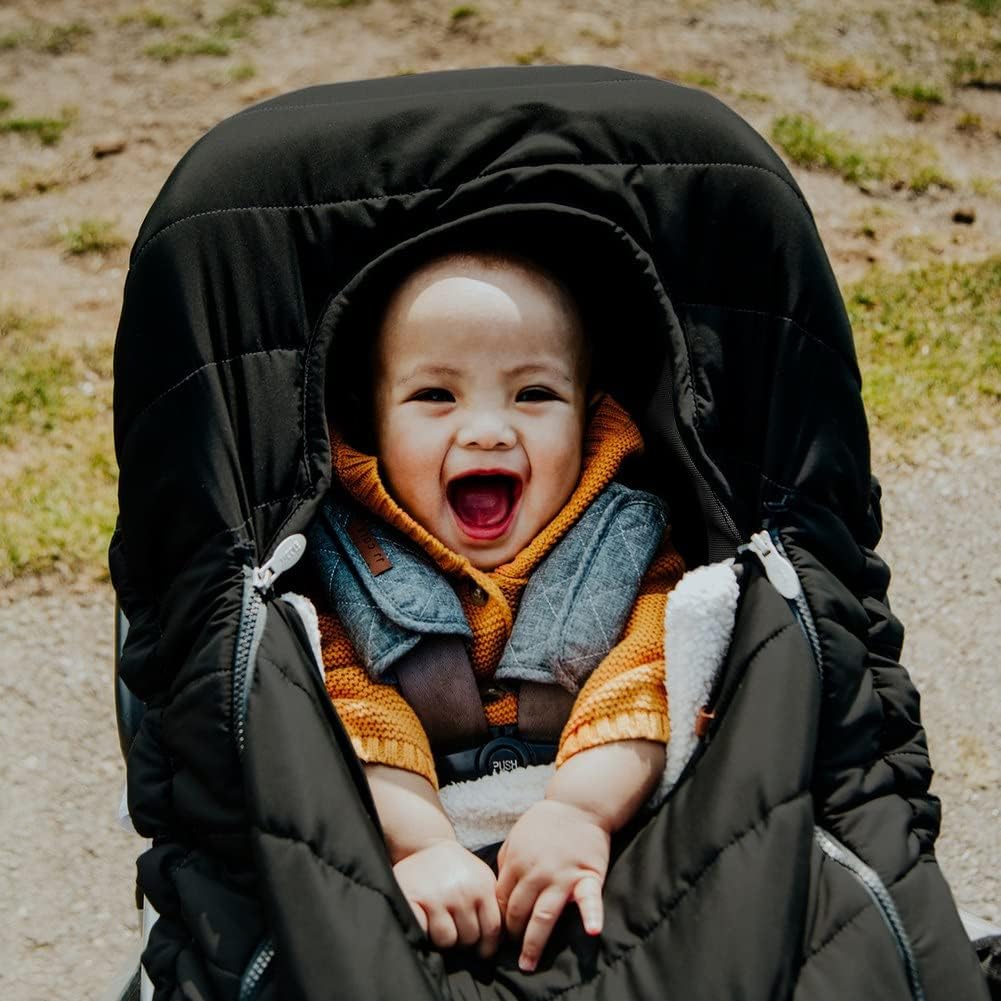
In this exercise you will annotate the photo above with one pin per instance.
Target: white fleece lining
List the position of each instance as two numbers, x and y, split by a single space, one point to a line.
698 625
307 613
484 810
698 621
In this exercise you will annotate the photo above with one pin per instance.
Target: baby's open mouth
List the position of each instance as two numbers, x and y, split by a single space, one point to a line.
484 502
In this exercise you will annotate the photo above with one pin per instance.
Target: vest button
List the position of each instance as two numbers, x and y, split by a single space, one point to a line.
478 595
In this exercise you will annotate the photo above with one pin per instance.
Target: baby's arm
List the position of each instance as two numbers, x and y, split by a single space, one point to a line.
610 758
558 850
451 891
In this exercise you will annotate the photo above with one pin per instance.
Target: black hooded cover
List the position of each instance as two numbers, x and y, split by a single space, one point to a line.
729 343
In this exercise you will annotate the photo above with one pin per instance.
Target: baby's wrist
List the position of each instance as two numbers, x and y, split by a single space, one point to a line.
584 812
399 852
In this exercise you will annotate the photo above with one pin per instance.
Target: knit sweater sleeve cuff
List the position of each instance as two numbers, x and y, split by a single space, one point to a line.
396 754
635 725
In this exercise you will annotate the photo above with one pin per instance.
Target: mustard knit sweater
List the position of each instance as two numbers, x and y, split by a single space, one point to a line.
623 699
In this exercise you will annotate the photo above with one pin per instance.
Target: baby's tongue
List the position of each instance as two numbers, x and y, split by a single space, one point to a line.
481 501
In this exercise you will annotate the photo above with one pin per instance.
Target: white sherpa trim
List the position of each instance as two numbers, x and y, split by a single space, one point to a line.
484 810
698 624
307 612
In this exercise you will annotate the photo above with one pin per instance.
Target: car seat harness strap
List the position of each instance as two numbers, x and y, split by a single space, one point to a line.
453 718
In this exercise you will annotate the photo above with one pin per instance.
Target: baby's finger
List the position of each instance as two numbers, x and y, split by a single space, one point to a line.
467 925
518 908
547 909
441 928
587 893
489 914
420 914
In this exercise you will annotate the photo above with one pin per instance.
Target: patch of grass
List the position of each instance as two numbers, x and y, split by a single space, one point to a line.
188 45
6 103
48 131
463 13
919 96
969 121
917 247
54 39
922 92
59 505
31 182
844 73
62 510
91 236
808 144
871 219
242 71
971 69
987 187
985 7
694 78
59 39
910 165
148 18
329 4
33 376
754 95
915 166
531 56
929 344
235 21
606 39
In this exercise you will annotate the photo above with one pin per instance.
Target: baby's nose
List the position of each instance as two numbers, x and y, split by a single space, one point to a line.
486 429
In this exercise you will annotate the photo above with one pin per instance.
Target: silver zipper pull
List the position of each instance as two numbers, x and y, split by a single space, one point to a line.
288 552
778 569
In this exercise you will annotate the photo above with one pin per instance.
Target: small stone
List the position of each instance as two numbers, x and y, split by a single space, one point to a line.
966 216
110 146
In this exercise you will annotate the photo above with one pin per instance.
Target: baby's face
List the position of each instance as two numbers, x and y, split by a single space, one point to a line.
480 403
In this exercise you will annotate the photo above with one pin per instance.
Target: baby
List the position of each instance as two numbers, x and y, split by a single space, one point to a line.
489 446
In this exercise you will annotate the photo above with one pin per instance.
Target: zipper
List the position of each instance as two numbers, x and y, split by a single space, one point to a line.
771 553
257 586
767 547
258 966
880 895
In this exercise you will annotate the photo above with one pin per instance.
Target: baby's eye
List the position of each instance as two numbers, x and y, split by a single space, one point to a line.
433 395
535 394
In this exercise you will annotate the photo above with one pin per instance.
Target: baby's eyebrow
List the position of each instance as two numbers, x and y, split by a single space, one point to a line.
531 368
428 371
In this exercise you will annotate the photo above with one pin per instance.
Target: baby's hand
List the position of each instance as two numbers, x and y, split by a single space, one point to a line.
453 895
554 853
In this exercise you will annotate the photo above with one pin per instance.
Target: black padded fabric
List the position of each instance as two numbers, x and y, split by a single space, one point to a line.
247 306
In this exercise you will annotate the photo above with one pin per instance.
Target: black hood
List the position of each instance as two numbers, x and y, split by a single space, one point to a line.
731 343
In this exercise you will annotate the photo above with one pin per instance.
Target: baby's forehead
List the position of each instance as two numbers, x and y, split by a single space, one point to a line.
501 282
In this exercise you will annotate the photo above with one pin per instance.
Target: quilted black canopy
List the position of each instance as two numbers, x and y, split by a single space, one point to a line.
728 336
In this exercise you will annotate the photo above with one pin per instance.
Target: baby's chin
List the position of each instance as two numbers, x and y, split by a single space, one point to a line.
490 556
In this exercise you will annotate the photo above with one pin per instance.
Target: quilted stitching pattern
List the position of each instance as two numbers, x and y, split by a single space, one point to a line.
577 602
384 617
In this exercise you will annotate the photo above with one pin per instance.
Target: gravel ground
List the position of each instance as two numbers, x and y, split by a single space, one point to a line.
67 870
943 539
